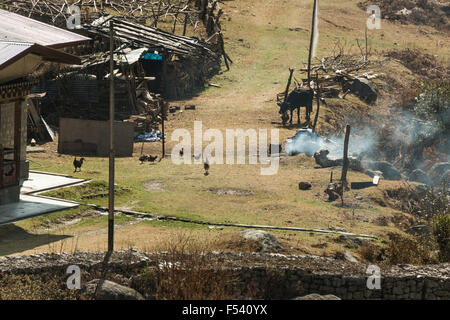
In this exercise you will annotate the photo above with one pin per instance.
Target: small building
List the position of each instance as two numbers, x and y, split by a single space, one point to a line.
25 44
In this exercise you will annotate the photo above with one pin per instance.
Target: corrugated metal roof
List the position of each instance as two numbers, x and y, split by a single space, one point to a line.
11 51
14 27
130 57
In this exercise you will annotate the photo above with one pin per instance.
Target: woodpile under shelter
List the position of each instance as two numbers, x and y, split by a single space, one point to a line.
178 64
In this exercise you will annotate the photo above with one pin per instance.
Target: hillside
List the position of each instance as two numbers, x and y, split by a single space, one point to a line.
263 40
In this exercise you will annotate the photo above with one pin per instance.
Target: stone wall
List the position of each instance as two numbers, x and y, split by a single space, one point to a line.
265 276
298 282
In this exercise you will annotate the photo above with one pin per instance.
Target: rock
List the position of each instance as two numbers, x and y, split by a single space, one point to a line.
389 172
439 171
304 185
419 176
321 158
403 12
420 229
330 93
315 296
362 88
445 177
267 241
349 257
351 242
373 173
108 290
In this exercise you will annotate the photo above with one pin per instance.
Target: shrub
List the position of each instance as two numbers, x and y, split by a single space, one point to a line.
441 231
434 104
408 250
435 202
185 272
371 252
434 206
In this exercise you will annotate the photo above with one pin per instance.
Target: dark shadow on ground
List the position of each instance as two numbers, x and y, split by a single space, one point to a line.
14 239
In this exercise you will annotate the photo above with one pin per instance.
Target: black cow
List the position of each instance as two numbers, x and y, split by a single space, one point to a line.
300 97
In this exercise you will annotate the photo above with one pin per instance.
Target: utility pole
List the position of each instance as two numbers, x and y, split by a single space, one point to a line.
366 56
111 140
345 164
163 118
311 41
312 49
318 103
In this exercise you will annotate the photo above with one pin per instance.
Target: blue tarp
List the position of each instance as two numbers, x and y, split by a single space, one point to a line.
152 56
148 136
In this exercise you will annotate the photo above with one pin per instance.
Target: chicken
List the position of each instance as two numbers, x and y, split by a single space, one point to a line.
181 152
206 167
77 164
152 158
197 157
143 158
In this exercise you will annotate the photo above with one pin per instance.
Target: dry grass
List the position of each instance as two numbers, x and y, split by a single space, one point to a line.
186 273
422 63
245 100
36 287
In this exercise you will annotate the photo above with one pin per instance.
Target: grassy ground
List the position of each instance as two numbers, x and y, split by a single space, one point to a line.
263 40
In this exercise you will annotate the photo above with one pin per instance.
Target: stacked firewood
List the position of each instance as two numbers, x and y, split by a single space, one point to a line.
341 73
151 108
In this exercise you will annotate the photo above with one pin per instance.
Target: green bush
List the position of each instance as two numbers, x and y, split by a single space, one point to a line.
441 231
434 203
434 104
410 250
434 206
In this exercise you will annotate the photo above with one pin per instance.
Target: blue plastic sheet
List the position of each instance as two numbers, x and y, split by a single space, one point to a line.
152 56
148 136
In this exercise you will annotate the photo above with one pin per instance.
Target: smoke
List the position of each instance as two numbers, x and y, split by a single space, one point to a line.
308 142
408 138
409 130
